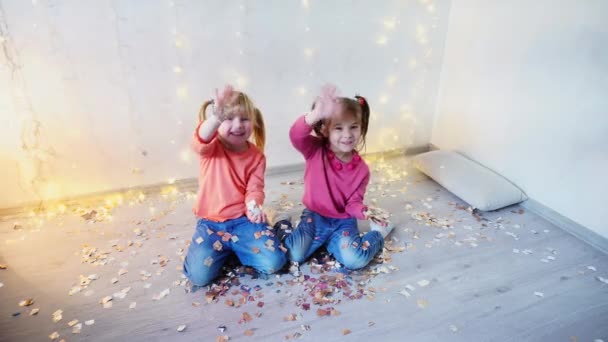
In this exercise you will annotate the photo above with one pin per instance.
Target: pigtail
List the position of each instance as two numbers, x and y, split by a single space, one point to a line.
201 113
259 131
365 112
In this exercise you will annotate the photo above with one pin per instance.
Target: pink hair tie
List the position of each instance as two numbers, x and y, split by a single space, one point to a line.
361 100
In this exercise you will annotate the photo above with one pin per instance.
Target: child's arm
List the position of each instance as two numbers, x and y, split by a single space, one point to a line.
254 195
300 137
326 105
355 206
202 146
207 129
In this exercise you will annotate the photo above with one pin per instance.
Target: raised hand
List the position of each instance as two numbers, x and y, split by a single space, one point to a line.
326 104
222 101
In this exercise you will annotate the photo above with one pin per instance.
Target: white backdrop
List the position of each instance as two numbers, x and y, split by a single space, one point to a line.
99 95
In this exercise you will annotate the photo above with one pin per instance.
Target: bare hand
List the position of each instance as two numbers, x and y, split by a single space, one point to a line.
222 100
326 104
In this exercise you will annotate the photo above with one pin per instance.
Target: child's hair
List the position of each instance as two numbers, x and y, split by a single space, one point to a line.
358 107
251 112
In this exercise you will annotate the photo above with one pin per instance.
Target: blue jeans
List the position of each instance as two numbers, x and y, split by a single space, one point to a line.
253 243
341 236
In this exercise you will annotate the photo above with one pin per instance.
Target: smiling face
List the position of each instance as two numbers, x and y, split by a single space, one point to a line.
235 130
343 132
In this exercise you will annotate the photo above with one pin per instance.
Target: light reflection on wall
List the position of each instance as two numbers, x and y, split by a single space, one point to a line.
115 108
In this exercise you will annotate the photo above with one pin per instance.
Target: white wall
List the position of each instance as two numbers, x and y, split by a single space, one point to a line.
91 100
524 91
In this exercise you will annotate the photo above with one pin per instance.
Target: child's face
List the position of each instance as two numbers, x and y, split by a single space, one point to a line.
343 132
235 130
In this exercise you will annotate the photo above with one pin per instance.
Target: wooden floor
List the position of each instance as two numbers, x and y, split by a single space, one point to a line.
450 275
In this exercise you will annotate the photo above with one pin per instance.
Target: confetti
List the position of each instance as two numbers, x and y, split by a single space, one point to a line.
181 328
132 305
122 271
77 328
423 283
217 245
34 311
255 250
346 331
72 322
248 332
539 294
453 328
208 261
222 338
405 293
54 335
422 303
26 302
57 316
89 322
592 268
199 240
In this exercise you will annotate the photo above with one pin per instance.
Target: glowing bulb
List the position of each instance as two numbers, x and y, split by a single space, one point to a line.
182 92
382 40
141 196
305 4
184 155
179 43
431 8
241 81
383 99
307 29
413 63
308 52
390 23
302 90
171 180
391 80
177 69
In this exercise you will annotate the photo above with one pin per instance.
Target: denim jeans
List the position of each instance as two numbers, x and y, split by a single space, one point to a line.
253 243
341 236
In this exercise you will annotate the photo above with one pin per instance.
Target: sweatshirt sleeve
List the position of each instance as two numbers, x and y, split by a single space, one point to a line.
355 205
200 146
255 184
300 137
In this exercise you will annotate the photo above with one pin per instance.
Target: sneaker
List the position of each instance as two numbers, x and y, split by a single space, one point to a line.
384 230
282 226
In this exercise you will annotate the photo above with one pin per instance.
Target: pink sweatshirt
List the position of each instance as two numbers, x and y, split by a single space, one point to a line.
227 180
332 188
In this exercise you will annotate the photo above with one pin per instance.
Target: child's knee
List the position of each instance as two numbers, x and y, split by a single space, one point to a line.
296 254
201 276
352 260
273 263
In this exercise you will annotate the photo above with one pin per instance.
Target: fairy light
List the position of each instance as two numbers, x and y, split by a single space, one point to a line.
390 23
171 180
302 91
412 63
185 156
308 52
383 99
391 80
242 81
382 40
177 69
431 8
305 4
182 92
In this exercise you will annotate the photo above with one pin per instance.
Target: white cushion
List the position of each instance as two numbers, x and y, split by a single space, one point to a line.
475 184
